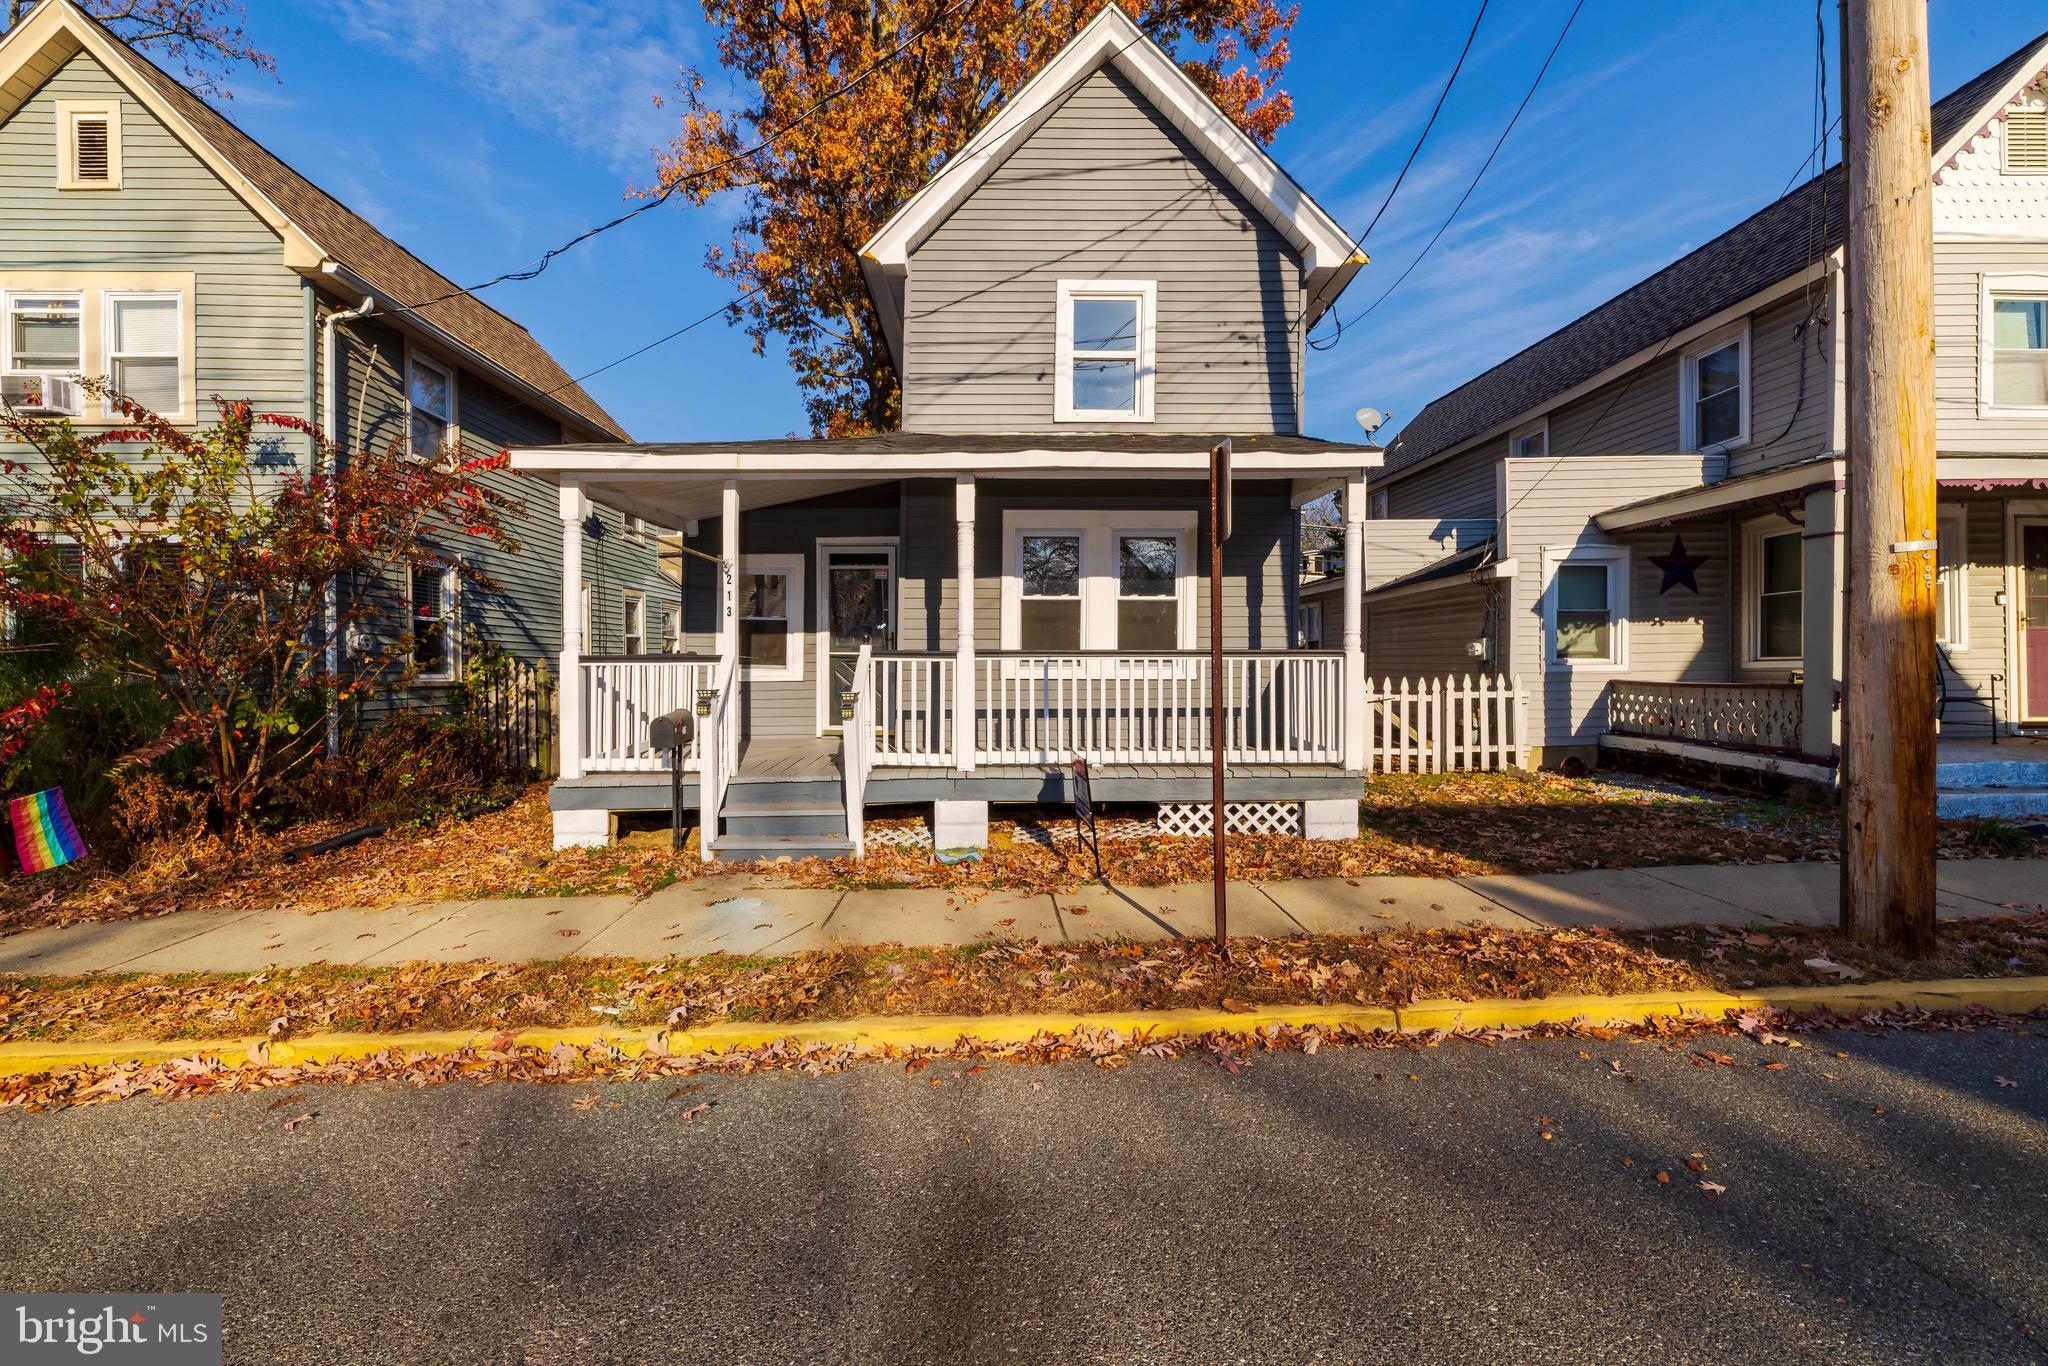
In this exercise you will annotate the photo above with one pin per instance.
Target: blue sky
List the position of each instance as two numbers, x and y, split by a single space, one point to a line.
481 134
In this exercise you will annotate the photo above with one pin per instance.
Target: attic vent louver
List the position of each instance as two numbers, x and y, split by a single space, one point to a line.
2026 142
91 149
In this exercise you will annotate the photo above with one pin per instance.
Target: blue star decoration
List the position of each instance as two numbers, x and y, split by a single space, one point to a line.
1679 567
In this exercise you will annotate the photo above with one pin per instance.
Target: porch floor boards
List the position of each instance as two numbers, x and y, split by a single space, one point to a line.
789 760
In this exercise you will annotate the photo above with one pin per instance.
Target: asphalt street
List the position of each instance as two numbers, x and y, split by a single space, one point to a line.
1386 1205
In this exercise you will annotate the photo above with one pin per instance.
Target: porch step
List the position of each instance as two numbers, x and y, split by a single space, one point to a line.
733 848
744 790
2000 803
747 817
1997 773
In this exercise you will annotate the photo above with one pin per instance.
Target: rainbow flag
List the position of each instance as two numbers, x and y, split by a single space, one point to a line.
44 837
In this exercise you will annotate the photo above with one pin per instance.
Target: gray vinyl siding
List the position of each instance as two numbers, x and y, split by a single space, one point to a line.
1789 417
170 214
1105 189
1671 636
1425 635
1636 413
1959 271
1257 609
1396 549
1465 485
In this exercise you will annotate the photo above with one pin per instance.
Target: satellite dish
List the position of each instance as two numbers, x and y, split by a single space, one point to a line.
1370 419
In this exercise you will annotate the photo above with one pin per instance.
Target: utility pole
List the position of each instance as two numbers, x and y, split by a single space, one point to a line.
1888 663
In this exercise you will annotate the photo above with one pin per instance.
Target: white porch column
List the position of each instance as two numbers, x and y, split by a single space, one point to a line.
574 507
1354 622
1822 616
964 682
729 572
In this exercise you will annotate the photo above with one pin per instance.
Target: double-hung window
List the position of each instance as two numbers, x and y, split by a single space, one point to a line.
671 630
45 341
2019 351
1586 609
145 345
1530 441
430 395
1105 350
1098 580
435 635
1775 562
636 622
1049 589
771 615
1714 378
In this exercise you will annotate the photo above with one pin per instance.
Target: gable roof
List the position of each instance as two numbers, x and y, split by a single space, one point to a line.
1780 240
1111 39
322 235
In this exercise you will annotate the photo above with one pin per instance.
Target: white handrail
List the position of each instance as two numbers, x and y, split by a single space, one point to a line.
719 753
620 698
857 749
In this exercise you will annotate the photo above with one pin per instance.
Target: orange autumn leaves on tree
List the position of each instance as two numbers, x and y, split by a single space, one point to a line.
834 173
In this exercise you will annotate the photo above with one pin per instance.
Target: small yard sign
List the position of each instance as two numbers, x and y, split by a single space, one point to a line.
1084 813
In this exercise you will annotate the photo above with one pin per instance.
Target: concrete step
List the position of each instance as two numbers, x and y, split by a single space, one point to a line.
1992 773
784 818
2001 803
740 848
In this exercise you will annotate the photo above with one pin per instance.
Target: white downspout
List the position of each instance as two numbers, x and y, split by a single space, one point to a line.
330 410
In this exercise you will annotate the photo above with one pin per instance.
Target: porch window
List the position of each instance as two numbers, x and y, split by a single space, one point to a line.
1311 626
771 611
1952 579
636 622
1778 575
145 342
431 596
1105 347
2019 352
1148 592
1714 375
1049 610
672 630
430 391
1587 607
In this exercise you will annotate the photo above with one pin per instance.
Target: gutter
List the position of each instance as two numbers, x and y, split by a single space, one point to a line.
330 409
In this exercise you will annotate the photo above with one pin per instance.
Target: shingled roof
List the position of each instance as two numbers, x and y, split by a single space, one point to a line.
1771 245
388 268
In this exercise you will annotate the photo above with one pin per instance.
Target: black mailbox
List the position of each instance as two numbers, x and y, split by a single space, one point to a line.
671 732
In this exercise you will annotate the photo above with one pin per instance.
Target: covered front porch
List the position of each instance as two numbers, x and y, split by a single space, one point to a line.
833 655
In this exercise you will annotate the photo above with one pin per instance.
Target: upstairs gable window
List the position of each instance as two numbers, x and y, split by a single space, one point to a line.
1105 348
1714 376
2026 142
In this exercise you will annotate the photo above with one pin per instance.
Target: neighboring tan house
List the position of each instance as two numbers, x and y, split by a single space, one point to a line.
1104 281
1640 516
153 243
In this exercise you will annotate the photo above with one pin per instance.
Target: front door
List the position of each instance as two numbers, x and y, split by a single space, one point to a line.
857 584
2033 621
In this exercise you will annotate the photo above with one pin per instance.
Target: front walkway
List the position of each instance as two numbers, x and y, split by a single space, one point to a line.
744 915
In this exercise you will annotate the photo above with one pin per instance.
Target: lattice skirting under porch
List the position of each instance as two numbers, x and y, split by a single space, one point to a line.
1239 818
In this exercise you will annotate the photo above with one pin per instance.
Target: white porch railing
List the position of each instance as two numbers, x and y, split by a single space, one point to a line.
912 698
718 751
1443 725
1154 709
620 696
1734 715
857 740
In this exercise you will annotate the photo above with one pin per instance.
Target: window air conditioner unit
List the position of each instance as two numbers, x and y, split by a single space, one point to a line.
38 395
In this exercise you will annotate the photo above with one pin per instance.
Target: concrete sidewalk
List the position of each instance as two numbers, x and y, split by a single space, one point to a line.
749 915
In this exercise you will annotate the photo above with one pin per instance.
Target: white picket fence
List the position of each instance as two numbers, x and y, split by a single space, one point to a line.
1444 725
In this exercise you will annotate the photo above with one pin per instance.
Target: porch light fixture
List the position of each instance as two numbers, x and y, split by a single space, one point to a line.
846 701
704 698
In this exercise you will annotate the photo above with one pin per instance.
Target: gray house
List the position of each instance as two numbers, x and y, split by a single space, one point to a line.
1641 515
1104 281
154 243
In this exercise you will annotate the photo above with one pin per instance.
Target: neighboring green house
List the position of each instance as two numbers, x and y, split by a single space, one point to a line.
150 241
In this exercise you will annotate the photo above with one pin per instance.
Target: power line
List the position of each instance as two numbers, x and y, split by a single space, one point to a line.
1422 137
1462 199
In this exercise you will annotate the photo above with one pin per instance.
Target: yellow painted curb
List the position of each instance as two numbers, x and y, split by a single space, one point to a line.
2015 994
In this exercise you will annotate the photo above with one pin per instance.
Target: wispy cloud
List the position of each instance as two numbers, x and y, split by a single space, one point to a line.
584 70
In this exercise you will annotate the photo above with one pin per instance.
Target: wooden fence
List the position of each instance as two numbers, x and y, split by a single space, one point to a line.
1444 725
515 699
